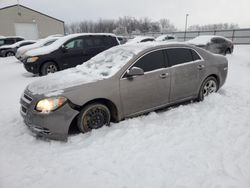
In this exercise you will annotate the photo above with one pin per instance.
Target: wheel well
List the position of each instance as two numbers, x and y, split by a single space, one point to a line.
216 77
111 106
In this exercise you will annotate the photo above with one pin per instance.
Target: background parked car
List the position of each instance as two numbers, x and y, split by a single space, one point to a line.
214 44
10 50
20 54
121 82
166 38
139 39
67 52
122 39
10 40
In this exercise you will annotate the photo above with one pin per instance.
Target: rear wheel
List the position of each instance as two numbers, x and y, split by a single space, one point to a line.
93 116
210 85
49 67
8 54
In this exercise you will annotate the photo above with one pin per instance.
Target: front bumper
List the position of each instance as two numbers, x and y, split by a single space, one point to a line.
31 67
54 125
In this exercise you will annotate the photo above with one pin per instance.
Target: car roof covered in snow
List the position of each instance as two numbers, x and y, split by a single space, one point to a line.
57 44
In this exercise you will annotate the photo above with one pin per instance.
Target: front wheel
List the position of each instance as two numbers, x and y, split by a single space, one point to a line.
210 85
48 67
93 116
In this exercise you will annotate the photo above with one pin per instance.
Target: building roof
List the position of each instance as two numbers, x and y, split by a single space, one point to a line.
31 10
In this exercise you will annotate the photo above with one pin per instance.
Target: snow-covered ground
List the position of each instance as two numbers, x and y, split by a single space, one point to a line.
198 145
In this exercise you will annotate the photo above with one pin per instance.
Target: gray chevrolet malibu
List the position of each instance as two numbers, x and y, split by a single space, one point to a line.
122 82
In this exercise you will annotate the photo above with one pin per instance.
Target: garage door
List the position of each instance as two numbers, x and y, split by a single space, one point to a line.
26 30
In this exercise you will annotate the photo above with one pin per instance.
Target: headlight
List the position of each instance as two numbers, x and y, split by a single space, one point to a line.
32 59
50 104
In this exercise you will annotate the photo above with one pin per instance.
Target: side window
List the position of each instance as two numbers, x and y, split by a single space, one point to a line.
74 44
49 43
88 42
151 61
110 41
218 40
9 41
178 56
98 41
147 40
195 55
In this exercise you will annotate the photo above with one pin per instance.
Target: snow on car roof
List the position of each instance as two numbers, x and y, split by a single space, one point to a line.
16 44
100 67
59 43
138 39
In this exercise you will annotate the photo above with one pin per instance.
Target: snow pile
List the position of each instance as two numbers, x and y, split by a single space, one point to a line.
198 145
100 67
57 44
138 39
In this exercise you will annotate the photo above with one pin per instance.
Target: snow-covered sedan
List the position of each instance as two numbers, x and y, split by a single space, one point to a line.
20 54
140 39
214 44
119 83
10 50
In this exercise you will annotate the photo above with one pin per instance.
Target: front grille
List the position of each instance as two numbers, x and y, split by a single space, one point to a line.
26 98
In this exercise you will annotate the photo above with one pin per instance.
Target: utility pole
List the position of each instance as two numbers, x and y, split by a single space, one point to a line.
185 34
18 8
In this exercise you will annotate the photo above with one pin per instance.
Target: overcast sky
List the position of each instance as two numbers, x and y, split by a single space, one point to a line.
200 11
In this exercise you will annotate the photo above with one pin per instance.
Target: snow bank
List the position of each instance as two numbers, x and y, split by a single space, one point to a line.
57 44
100 67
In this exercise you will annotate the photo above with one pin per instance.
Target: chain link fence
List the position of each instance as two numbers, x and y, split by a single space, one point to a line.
238 36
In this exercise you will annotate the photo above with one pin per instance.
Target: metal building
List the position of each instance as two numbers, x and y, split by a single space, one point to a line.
18 20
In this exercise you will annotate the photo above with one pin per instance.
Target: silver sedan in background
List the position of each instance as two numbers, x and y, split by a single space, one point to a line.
119 83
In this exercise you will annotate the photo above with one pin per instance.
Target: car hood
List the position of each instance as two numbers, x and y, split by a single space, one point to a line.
57 83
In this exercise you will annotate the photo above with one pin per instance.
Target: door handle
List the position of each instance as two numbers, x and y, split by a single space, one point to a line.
164 75
200 67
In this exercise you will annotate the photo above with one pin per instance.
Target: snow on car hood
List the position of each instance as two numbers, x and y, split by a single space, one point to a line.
57 44
100 67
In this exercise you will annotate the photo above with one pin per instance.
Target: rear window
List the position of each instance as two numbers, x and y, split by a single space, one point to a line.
110 41
195 55
177 56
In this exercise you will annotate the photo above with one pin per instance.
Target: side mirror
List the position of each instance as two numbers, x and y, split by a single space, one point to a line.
135 71
64 49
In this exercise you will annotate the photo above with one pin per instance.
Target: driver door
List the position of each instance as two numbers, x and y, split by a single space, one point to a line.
144 92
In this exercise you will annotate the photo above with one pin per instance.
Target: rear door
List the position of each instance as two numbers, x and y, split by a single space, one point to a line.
185 77
146 91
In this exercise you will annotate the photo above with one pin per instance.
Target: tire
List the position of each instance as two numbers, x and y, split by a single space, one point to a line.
228 51
210 85
8 54
48 67
93 116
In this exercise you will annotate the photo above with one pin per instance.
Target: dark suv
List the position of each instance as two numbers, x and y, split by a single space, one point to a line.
67 52
9 40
